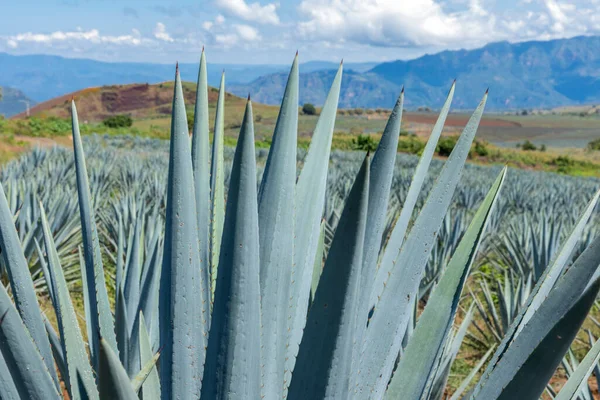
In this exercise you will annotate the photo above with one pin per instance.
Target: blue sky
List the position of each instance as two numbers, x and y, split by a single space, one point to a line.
269 32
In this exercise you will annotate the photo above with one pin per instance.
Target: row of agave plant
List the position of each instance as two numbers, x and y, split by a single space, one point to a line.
257 296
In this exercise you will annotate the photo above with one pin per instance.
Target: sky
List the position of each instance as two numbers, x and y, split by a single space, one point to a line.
270 32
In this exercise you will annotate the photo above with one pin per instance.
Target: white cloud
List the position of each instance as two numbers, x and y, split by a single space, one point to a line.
206 25
160 33
90 36
428 24
219 19
247 33
255 12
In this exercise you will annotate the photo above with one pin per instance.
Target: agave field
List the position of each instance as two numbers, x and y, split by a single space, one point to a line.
204 272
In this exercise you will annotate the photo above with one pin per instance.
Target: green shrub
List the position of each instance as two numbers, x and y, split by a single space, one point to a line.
564 164
528 146
190 119
359 111
118 121
446 145
364 142
481 149
411 144
309 109
594 144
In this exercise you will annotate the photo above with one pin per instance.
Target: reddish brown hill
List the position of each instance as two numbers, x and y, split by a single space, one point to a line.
137 100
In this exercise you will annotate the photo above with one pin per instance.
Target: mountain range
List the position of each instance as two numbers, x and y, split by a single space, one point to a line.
535 74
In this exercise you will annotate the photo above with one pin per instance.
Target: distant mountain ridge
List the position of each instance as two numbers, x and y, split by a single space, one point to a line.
44 77
536 74
13 101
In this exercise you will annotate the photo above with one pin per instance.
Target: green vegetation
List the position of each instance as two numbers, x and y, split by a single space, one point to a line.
594 145
118 121
364 142
309 109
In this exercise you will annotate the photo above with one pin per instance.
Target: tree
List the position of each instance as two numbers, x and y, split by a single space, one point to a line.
309 109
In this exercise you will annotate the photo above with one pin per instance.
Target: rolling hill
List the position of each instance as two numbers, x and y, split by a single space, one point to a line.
13 101
532 74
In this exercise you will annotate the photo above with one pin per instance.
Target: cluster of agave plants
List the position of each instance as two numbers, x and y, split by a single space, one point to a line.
293 280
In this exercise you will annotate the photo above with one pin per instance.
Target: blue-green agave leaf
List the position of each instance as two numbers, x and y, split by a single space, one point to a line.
581 374
318 267
76 358
8 390
151 384
57 349
119 265
86 298
233 355
309 203
131 290
22 285
551 329
425 348
324 366
561 260
217 185
181 302
113 381
101 317
392 250
383 338
276 226
49 283
201 165
382 173
29 372
122 328
557 267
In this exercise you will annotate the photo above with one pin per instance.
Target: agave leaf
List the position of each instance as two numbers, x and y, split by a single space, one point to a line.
233 355
122 328
318 267
76 358
7 386
394 245
101 318
119 264
324 365
552 273
439 377
22 285
29 373
57 349
112 377
131 289
382 173
181 301
49 283
201 165
559 264
553 326
427 343
151 384
217 185
309 202
580 376
467 381
86 298
276 226
383 338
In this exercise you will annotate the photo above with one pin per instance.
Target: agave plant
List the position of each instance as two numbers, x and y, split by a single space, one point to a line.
227 291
